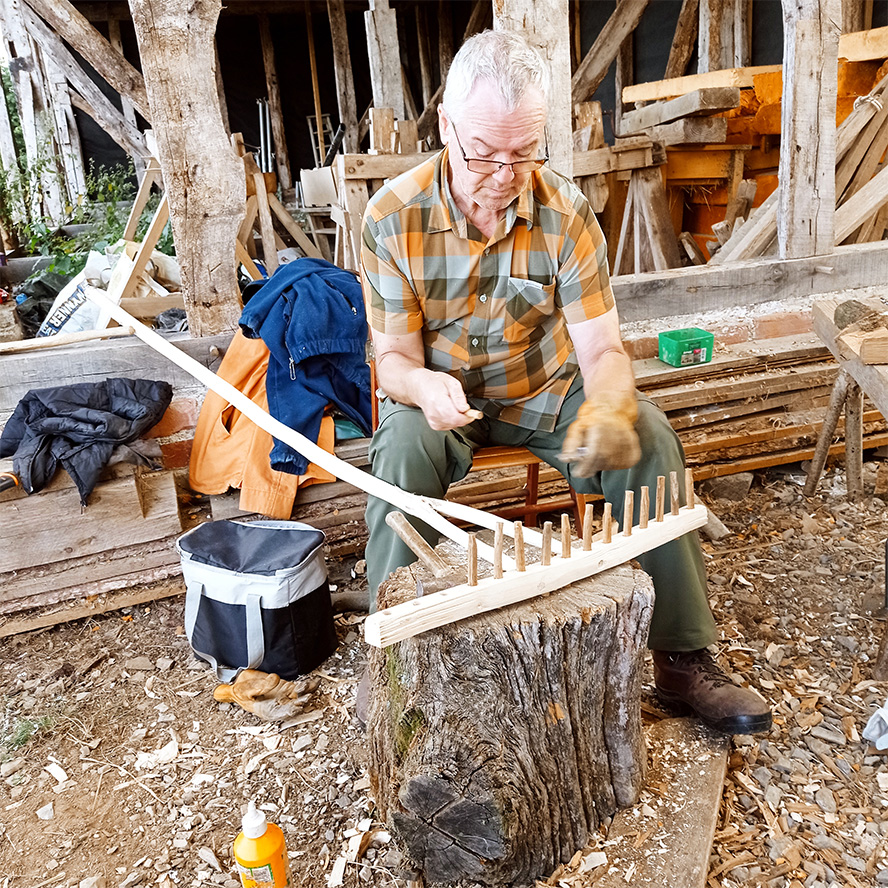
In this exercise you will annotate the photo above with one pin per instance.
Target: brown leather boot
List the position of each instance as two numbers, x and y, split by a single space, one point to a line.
693 680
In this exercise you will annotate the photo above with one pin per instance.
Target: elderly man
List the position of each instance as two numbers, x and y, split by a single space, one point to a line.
487 289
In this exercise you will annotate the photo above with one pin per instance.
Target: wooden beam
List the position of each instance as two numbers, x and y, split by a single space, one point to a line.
807 194
689 291
624 75
440 608
104 112
865 46
860 206
679 86
345 81
690 130
108 61
592 70
715 51
275 111
384 52
546 26
685 40
126 105
445 38
177 48
701 101
425 53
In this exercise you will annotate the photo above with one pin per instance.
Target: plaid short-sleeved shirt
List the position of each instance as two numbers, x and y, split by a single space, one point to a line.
493 313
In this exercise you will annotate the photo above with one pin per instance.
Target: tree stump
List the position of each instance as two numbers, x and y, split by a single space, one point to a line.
499 743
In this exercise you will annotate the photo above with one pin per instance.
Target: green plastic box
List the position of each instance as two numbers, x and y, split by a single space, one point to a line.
688 346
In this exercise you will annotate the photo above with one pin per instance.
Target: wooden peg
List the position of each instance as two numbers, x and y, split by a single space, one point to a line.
398 522
606 523
673 492
565 535
628 508
661 497
588 520
472 566
690 499
644 507
498 535
546 558
519 547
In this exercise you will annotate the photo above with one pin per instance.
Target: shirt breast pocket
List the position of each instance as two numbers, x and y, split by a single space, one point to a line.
528 304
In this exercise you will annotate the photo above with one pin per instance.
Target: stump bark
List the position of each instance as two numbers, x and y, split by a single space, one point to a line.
499 743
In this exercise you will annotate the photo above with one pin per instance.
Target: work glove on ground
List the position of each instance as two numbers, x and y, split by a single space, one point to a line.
603 436
267 695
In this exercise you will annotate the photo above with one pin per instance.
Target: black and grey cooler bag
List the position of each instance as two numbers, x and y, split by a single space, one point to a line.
257 597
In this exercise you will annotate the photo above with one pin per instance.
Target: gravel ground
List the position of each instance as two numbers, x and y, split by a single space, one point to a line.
117 768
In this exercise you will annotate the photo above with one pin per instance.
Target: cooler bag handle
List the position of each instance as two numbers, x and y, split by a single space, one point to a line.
194 592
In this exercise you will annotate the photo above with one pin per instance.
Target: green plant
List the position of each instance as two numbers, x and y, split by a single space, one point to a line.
27 729
105 211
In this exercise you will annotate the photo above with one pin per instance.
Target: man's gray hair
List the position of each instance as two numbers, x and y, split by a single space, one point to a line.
503 58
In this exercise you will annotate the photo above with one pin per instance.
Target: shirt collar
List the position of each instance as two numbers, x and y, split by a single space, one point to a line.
445 215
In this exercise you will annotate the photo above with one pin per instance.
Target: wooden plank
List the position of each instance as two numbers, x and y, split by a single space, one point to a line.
679 86
773 405
440 608
685 40
90 576
342 69
128 357
701 101
93 607
853 47
108 61
861 206
294 229
690 130
688 766
807 190
62 339
607 160
863 45
593 68
689 291
750 385
779 458
753 237
49 526
125 286
654 205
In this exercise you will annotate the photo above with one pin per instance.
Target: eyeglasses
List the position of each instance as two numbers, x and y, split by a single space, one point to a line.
489 167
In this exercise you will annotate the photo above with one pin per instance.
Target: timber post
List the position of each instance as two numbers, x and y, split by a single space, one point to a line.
203 176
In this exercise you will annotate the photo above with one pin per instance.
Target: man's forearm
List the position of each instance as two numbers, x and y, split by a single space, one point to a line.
400 377
612 373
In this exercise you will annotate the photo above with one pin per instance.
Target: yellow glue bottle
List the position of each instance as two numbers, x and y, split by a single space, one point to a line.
260 852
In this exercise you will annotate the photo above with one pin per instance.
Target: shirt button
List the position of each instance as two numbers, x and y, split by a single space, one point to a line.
475 343
483 297
487 251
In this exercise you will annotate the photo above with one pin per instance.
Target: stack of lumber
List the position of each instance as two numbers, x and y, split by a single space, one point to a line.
755 405
55 551
861 186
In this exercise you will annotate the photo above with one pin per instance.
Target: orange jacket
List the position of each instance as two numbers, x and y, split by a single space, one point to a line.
231 451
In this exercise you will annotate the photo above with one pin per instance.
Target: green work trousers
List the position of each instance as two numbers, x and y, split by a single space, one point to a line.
407 453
